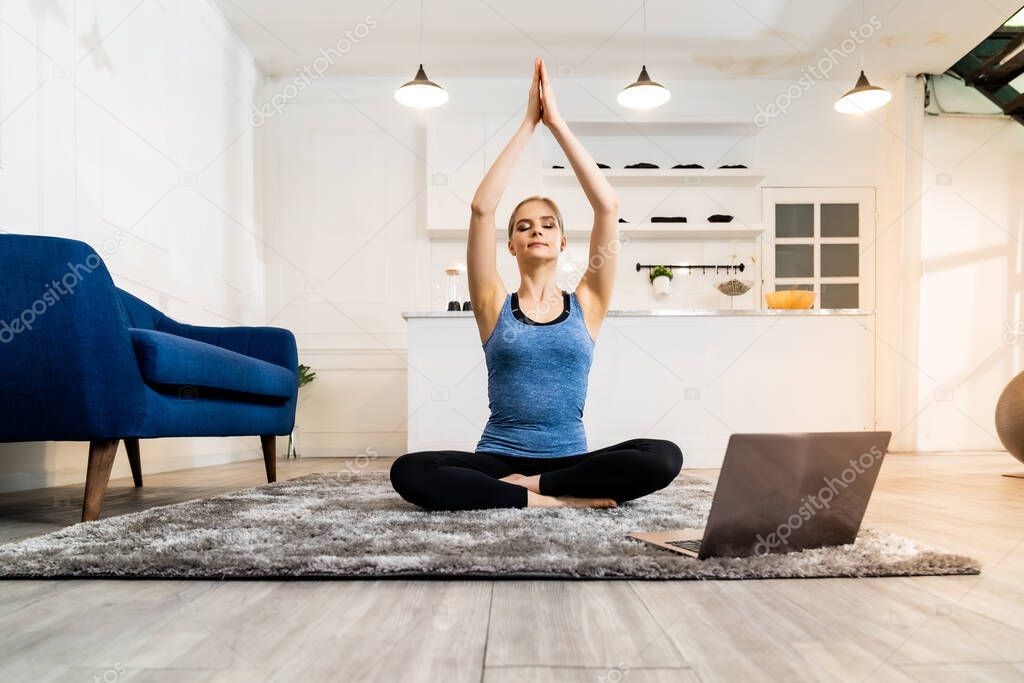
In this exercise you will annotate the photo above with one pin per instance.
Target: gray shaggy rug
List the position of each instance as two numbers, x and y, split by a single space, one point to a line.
349 524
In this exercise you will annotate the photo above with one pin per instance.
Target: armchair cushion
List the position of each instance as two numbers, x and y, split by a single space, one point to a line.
168 360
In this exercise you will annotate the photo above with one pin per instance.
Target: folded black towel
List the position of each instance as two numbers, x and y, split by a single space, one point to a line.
687 166
668 219
733 166
642 164
623 220
719 218
600 165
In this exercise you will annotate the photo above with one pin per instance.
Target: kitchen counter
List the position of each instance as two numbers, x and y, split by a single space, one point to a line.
692 376
673 312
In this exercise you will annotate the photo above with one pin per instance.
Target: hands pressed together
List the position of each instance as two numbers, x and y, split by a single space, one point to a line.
541 105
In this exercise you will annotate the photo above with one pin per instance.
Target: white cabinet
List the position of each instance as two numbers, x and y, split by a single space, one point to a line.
822 239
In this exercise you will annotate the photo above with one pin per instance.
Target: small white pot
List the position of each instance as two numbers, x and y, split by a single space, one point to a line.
662 285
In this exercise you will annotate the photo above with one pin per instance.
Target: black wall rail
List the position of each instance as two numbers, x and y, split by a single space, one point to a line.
736 268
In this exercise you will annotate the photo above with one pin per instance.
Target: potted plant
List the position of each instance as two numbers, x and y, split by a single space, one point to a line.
306 375
661 278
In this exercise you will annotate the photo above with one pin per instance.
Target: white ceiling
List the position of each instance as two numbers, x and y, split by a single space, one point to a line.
686 39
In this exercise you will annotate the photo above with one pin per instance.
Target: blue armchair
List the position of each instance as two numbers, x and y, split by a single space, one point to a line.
81 360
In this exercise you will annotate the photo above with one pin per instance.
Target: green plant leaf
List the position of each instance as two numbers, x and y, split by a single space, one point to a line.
658 271
306 375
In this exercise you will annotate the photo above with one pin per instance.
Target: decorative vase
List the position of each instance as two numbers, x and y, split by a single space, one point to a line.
293 443
662 284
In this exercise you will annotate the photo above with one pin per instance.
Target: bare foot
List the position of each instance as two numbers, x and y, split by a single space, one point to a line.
531 483
536 500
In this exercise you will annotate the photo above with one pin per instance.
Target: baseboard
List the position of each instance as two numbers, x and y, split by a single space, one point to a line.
341 453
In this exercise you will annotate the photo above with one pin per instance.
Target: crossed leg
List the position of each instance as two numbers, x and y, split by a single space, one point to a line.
623 471
460 480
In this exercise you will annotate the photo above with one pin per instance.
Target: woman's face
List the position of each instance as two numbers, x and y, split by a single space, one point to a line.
535 232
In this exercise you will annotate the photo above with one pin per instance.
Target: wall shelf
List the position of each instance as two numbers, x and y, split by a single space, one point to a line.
650 231
692 231
667 176
706 126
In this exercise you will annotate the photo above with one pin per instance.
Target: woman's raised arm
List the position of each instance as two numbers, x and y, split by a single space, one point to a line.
594 290
484 283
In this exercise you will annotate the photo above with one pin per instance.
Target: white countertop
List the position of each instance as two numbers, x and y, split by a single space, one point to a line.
674 312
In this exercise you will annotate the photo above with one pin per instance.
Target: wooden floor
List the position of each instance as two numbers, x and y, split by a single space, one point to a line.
965 628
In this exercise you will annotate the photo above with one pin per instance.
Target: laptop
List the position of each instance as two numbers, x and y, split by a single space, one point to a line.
780 493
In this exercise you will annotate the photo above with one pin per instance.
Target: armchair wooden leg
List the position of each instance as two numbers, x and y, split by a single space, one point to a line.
269 444
132 446
101 459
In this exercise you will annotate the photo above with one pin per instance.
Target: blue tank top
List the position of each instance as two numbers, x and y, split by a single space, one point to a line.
537 385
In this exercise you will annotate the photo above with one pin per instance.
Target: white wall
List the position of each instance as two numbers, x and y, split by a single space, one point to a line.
120 116
345 194
972 284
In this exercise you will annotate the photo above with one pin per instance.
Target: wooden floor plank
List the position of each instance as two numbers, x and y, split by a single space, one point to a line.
964 673
588 675
329 631
574 623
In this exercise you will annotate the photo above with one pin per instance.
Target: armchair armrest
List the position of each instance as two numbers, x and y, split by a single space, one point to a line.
67 368
271 344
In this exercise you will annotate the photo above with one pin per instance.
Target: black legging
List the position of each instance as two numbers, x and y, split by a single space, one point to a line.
460 480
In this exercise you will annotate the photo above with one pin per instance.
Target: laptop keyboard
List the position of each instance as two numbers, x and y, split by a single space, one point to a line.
693 546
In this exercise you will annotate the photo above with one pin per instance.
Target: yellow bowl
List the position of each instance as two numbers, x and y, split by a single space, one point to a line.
790 299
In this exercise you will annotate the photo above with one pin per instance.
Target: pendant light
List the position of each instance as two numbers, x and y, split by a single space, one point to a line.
421 92
644 93
864 97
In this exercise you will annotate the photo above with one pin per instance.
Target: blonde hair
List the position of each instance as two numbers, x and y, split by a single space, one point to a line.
550 202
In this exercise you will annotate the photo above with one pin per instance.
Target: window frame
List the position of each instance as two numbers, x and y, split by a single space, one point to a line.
864 198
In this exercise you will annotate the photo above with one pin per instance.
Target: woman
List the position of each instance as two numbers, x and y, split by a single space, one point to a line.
538 343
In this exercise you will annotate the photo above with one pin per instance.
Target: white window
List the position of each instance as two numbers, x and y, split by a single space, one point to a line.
821 240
